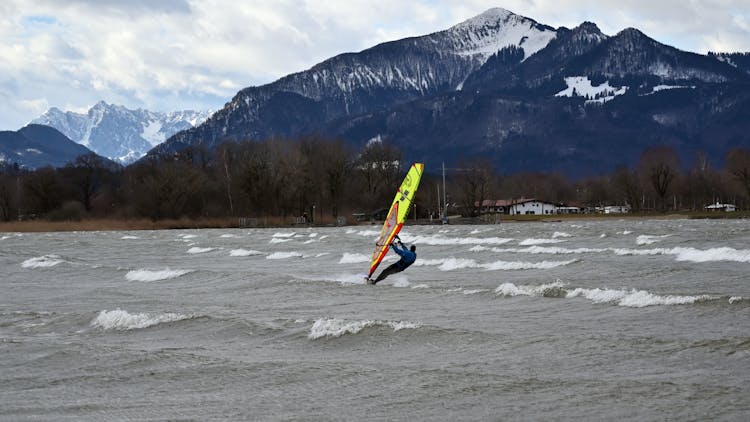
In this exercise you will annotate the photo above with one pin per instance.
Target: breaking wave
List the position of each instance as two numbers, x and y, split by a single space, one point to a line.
42 261
635 298
287 234
154 275
195 250
632 298
244 252
450 264
532 242
129 237
284 255
647 239
122 320
438 240
334 327
692 254
353 258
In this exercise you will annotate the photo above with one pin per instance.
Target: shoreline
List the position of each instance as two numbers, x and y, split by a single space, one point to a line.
278 222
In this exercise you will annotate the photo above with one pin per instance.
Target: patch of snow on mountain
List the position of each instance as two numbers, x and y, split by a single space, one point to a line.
152 132
580 86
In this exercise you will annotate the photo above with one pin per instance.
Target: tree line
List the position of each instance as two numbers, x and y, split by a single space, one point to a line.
322 179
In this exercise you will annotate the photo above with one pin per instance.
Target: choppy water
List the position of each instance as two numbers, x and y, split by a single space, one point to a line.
636 320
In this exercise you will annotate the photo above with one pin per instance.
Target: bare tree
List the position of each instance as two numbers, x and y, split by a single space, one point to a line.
738 165
660 166
474 181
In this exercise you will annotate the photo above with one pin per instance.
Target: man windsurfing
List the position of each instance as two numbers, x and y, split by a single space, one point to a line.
408 256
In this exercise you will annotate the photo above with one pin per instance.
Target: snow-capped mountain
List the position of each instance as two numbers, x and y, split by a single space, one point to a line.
353 83
119 133
502 86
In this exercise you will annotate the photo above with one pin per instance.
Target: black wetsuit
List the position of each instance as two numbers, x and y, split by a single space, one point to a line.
407 258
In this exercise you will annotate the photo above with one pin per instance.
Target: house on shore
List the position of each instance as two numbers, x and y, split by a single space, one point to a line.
721 207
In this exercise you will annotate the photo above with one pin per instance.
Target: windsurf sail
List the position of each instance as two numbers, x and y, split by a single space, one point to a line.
397 214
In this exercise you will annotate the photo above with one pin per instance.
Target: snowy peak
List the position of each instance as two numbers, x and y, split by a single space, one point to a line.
117 132
498 28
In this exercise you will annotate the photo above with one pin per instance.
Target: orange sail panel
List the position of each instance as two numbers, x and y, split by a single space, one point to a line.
397 214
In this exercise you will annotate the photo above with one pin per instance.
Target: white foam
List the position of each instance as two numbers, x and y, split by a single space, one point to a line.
533 242
450 264
129 237
284 255
560 234
154 275
278 240
438 240
231 236
692 254
244 252
648 239
187 236
335 327
353 258
510 289
634 298
551 250
735 299
196 250
42 261
289 234
478 248
123 320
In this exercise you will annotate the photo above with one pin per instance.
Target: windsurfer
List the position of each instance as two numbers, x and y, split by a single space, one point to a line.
408 256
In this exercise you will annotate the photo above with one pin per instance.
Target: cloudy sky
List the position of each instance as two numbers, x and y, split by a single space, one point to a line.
168 55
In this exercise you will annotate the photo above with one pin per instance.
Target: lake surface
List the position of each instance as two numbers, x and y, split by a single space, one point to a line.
592 320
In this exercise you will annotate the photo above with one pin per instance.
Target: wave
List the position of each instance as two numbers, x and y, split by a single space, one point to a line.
154 275
335 327
450 264
122 320
555 235
129 237
187 236
196 250
353 258
635 298
363 232
438 240
284 255
632 298
692 254
244 252
279 240
533 242
286 234
550 250
648 239
42 261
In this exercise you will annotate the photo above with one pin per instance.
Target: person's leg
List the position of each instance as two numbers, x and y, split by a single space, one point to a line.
392 269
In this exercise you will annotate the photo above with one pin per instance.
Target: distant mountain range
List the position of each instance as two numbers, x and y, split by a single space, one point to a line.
526 95
501 86
35 146
118 133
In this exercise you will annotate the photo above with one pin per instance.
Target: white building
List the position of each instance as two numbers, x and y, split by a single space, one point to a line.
721 207
532 207
617 209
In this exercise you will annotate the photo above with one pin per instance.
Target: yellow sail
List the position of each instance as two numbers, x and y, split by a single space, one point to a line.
397 214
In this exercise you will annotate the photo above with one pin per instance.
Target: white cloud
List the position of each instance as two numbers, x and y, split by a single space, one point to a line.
179 54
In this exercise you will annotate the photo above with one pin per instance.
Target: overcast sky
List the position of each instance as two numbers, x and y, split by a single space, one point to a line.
168 55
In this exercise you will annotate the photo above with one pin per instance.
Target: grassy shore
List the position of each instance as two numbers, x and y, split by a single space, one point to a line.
216 223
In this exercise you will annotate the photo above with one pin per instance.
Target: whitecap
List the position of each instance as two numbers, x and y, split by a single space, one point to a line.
288 234
231 236
187 236
42 261
450 264
634 298
196 250
647 239
244 252
534 242
278 240
560 234
154 275
284 255
129 237
554 289
735 299
335 327
123 320
353 258
438 240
